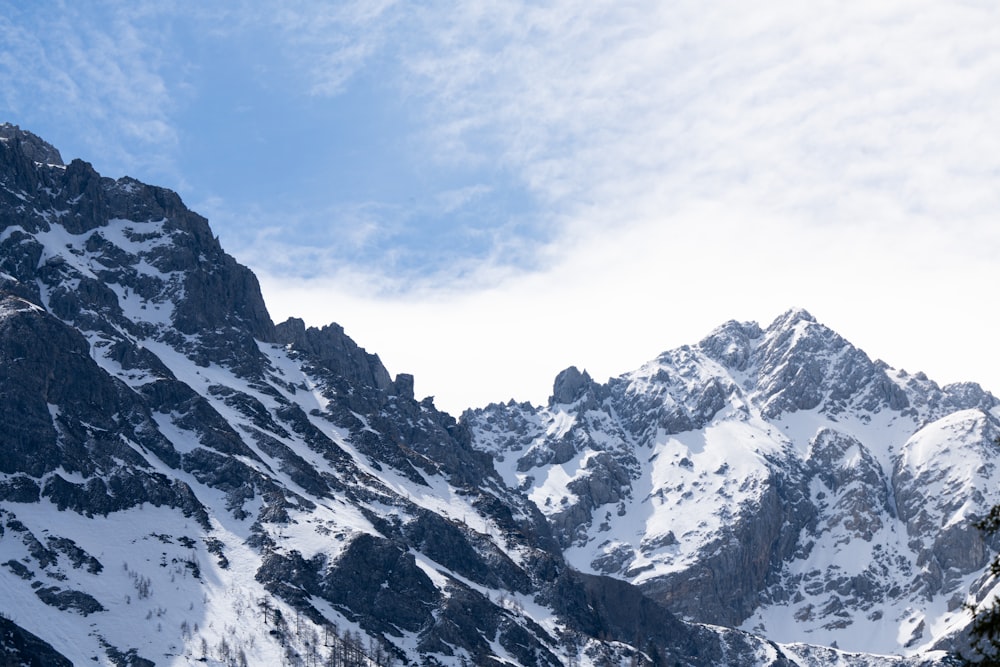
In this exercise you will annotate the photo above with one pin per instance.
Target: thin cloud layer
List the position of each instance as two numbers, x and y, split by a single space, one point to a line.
97 74
331 43
607 113
786 105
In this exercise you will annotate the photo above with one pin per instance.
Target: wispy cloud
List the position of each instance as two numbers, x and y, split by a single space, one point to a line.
332 42
574 160
784 105
382 250
102 71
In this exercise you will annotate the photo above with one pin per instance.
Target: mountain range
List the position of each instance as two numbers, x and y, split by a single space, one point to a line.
183 481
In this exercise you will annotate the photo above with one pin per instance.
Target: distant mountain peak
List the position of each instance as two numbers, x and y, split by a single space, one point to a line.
570 386
733 481
791 317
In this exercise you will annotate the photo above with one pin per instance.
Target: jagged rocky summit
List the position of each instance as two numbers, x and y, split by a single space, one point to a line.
184 482
775 479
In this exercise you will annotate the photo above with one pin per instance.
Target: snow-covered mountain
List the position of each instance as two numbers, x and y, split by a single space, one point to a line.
184 482
772 479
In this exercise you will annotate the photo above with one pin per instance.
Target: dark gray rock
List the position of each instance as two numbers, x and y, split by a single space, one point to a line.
334 350
570 386
458 550
77 556
623 613
19 489
402 386
24 649
732 344
122 490
858 487
190 411
78 601
31 145
378 584
44 363
725 585
20 569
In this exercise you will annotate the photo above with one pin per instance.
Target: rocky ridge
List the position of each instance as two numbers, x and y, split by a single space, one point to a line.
772 478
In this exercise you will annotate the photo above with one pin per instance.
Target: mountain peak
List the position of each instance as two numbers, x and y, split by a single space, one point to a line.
791 317
33 146
770 458
570 386
732 343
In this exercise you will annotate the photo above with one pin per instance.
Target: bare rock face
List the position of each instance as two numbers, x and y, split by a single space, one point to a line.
30 145
931 484
857 494
20 647
570 386
205 288
732 344
62 414
335 351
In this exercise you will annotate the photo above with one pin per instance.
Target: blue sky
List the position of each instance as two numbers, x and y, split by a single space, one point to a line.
485 193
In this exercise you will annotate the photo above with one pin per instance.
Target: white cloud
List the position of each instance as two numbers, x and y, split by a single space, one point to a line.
611 303
450 201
